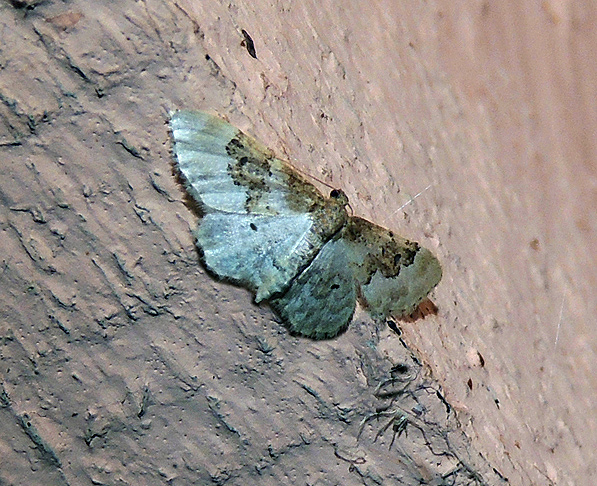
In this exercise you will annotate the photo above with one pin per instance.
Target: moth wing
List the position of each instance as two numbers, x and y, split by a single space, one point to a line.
321 300
226 170
263 223
394 274
261 253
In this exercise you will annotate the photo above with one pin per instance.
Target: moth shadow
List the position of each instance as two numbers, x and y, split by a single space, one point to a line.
424 309
191 203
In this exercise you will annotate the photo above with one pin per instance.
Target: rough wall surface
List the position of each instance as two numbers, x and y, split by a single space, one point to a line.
123 362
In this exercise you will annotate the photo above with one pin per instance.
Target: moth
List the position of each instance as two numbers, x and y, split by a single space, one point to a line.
268 229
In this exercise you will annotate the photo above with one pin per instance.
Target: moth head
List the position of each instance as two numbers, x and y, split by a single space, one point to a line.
339 196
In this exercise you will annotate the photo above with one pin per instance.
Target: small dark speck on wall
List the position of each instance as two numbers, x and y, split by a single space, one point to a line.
249 44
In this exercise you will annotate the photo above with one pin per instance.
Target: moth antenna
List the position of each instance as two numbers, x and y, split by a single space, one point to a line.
311 176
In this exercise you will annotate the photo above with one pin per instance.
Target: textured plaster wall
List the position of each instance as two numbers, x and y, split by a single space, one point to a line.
123 362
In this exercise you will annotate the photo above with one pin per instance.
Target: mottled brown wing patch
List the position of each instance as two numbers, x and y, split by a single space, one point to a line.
255 167
394 274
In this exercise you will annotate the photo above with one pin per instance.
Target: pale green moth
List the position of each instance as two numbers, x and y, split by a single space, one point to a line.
266 228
